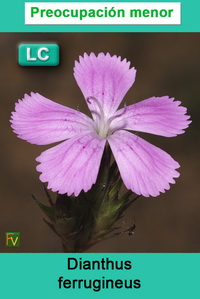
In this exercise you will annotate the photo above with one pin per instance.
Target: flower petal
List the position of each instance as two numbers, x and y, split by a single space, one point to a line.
144 168
73 165
39 120
157 115
104 77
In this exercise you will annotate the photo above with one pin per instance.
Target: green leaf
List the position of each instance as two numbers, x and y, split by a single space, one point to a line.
48 211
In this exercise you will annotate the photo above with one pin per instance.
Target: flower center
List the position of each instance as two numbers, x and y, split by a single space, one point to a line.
102 123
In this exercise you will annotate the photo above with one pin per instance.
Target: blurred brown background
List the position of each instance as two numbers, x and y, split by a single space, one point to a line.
167 64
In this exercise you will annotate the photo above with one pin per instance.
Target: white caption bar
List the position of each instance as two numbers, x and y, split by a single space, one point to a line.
107 13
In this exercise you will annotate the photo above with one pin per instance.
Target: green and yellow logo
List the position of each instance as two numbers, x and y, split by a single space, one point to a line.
12 239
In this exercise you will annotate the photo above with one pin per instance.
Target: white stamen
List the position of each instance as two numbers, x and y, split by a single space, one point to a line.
116 116
102 127
97 102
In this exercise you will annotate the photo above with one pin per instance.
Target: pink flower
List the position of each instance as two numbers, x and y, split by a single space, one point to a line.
73 165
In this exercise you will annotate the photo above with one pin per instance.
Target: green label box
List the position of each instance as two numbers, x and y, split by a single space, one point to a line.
38 55
12 239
